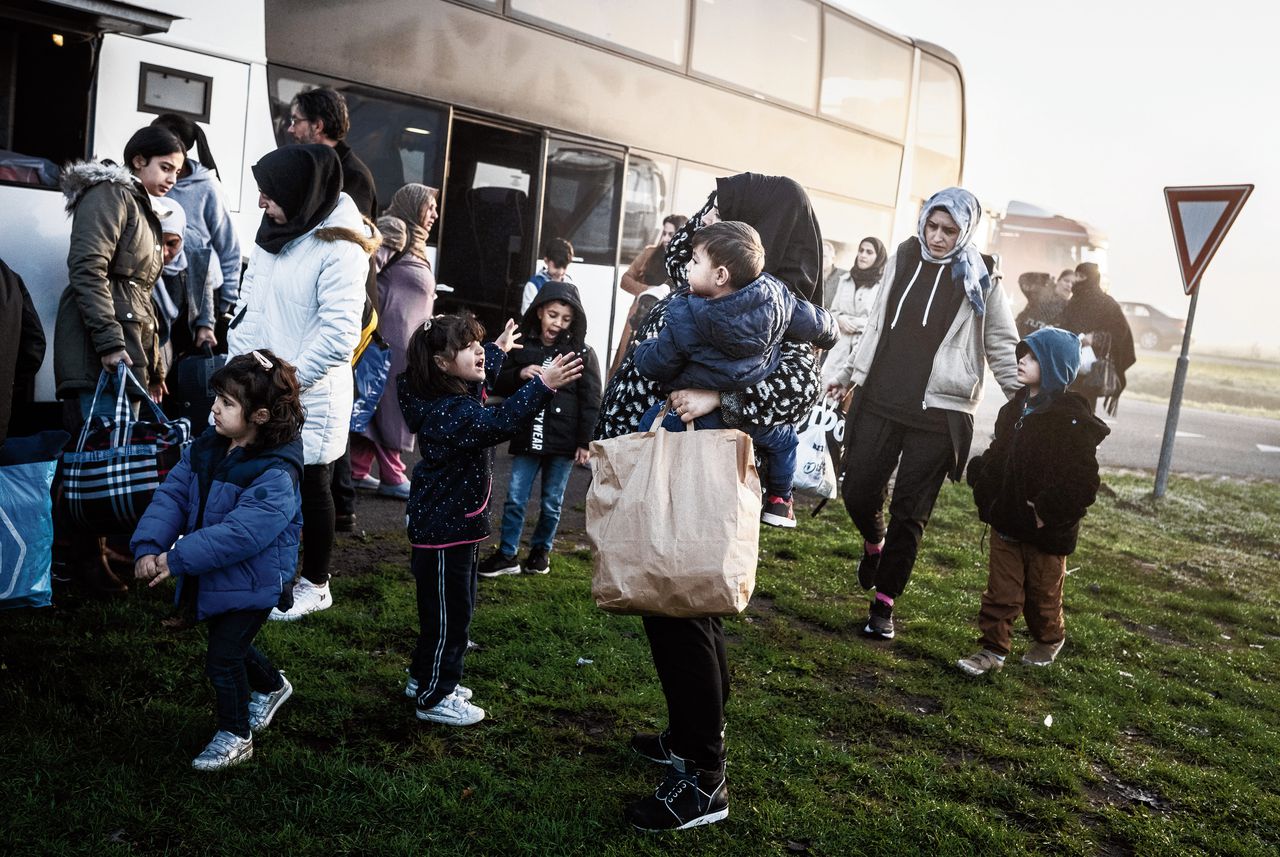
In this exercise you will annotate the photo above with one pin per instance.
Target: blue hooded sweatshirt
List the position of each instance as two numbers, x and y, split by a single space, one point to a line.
209 227
239 515
731 342
1058 353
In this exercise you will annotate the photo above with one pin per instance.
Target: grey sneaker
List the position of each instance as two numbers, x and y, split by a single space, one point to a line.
411 689
453 710
1043 654
879 621
263 706
981 663
223 751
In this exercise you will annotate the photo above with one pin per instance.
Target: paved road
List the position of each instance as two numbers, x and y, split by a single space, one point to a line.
1208 442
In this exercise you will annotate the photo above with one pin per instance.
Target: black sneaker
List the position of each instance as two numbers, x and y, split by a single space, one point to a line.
344 523
498 563
687 797
867 567
537 562
652 746
778 512
879 621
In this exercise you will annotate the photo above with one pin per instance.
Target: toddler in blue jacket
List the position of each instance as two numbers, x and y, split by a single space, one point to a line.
727 336
226 521
442 396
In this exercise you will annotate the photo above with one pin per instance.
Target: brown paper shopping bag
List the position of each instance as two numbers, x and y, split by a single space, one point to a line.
674 520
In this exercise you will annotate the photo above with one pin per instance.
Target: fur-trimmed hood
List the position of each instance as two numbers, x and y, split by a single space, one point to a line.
79 176
368 242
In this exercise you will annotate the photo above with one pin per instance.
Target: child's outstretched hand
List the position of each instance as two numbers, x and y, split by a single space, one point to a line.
510 334
565 369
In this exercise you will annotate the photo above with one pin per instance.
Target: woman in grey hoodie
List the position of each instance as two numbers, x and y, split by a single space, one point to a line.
211 239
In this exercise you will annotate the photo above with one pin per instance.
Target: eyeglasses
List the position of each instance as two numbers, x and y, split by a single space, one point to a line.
296 120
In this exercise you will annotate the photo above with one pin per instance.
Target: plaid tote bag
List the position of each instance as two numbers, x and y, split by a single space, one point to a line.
118 461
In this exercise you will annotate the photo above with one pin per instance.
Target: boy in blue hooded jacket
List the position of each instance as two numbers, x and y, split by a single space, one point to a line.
1033 485
727 336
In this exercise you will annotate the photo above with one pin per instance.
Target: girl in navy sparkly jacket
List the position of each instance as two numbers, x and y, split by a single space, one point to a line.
442 396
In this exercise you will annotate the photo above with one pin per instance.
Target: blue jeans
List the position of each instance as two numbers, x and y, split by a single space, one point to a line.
235 666
555 478
775 445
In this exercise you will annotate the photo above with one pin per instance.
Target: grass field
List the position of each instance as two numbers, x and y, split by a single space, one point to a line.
1162 740
1230 386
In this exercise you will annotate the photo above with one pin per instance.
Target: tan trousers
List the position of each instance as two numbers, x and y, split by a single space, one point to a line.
1021 579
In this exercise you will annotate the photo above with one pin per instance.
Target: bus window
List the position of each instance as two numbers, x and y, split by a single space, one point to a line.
401 140
581 201
646 201
41 68
866 77
845 223
766 47
657 28
939 128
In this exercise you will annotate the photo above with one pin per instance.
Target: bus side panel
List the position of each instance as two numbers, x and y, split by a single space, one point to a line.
36 248
259 139
116 114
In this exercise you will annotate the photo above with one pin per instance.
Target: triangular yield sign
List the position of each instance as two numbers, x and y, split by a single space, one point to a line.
1200 217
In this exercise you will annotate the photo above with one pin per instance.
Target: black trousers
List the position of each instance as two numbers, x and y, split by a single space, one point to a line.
874 446
446 581
235 666
693 668
317 522
343 489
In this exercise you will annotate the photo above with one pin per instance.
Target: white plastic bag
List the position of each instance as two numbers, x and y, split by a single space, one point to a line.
815 474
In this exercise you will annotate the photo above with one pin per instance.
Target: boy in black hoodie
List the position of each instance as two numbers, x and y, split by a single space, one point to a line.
559 435
1033 485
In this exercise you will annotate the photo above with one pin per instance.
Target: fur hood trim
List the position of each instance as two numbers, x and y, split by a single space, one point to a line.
79 176
341 233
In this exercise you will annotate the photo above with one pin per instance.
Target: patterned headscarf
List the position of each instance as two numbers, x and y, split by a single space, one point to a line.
680 247
967 266
407 204
394 232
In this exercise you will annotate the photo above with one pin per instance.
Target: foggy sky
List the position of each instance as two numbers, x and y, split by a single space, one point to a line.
1089 109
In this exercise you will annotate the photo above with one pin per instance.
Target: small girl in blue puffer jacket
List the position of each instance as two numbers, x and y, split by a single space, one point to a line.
233 507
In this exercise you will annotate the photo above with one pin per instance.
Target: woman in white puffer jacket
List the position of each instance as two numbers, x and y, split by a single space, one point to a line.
302 297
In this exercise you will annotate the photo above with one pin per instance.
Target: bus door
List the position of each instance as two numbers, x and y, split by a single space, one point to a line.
488 245
582 203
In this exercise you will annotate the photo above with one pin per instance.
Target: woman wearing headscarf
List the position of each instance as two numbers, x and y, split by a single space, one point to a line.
1097 317
302 297
936 325
855 293
689 654
406 299
210 241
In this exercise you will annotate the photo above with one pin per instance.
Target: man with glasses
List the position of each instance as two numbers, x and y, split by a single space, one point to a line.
320 116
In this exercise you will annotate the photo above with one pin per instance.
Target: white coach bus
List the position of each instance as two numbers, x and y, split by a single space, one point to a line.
583 119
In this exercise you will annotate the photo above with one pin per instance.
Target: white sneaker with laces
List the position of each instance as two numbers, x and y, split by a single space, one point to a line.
411 689
308 597
453 710
225 750
263 706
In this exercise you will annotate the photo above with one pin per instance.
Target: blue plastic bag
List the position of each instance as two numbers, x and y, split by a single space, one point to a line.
27 465
371 380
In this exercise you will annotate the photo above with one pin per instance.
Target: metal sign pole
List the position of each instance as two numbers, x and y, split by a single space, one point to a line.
1175 402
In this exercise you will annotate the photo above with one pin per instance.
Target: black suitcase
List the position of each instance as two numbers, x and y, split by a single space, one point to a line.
190 391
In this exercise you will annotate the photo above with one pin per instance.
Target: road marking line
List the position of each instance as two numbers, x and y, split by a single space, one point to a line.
1262 447
1187 434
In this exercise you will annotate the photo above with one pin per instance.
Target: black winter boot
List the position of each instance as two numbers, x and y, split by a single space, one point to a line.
689 796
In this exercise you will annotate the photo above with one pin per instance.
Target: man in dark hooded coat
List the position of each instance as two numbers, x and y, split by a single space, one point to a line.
1091 312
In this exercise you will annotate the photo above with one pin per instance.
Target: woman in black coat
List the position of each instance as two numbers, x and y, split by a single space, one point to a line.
1091 312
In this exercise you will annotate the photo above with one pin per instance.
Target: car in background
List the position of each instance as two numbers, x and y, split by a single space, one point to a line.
1152 329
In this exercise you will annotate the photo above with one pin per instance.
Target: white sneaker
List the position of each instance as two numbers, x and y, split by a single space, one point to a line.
411 689
307 598
367 484
263 706
223 751
453 710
